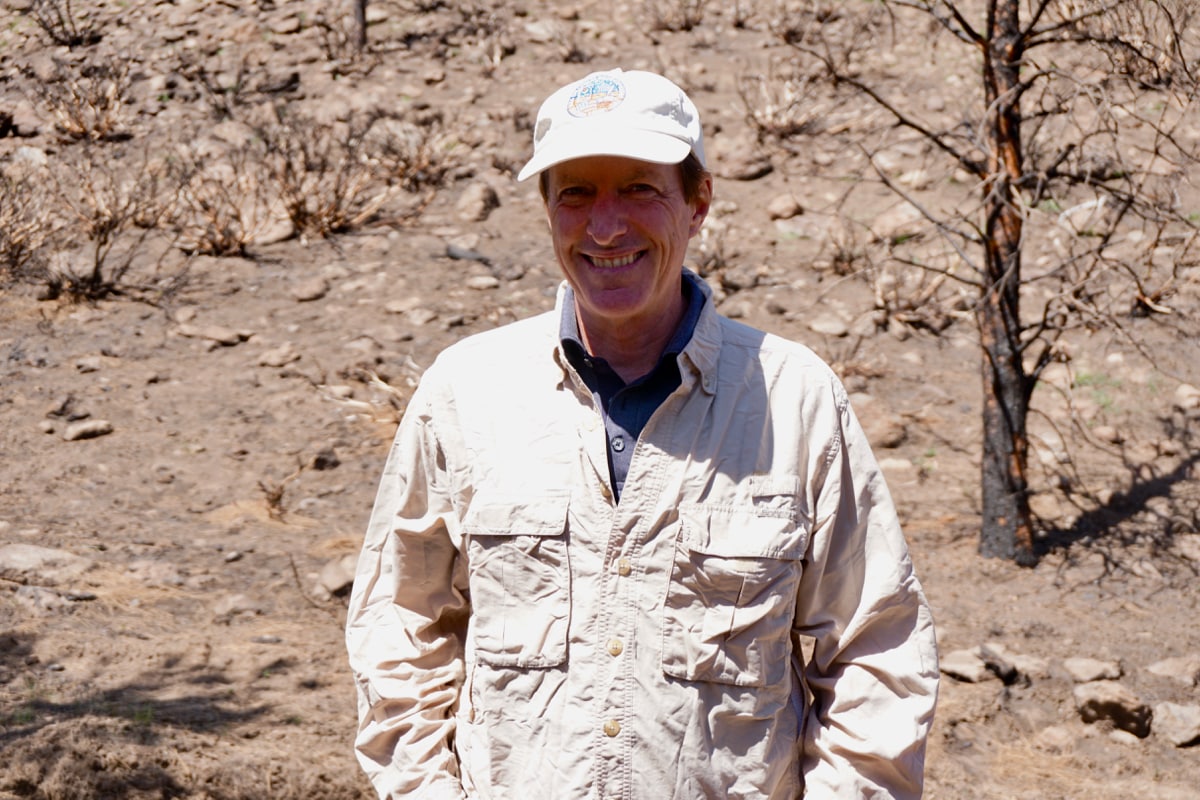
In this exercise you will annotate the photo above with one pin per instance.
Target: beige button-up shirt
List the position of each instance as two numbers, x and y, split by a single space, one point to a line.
517 635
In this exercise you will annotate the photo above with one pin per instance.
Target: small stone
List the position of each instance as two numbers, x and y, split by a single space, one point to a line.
421 316
237 605
46 426
482 282
232 556
829 325
87 429
310 290
1109 700
216 333
1107 433
1182 669
1179 724
784 207
337 576
477 202
997 661
325 459
966 665
88 364
280 356
1083 670
1054 739
883 428
1187 397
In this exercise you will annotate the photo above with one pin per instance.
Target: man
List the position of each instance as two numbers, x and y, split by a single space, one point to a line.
603 532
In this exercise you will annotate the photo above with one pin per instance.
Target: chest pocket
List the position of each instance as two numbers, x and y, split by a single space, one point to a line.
732 594
519 580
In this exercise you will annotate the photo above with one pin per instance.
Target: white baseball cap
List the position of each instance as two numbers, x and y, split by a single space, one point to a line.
632 114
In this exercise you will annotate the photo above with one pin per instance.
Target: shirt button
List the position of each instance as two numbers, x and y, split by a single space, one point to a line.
624 567
615 647
612 728
618 443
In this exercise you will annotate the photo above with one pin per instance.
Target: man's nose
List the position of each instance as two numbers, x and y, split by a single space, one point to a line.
606 222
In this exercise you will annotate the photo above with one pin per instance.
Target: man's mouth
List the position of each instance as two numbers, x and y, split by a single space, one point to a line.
613 263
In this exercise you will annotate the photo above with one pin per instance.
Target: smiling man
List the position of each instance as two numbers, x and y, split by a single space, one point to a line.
603 534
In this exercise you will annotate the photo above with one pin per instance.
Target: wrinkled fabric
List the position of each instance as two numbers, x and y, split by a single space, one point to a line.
516 634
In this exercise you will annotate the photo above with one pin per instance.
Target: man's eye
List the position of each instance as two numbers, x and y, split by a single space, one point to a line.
640 188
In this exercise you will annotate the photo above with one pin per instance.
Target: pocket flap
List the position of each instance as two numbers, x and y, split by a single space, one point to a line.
731 532
490 515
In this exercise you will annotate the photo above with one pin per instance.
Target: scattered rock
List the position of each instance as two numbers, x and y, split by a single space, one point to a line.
460 253
829 325
1108 433
421 316
87 429
40 600
280 356
216 333
1054 739
998 662
30 563
785 206
482 282
310 290
337 576
477 202
1180 725
1187 397
235 605
1083 670
883 428
966 665
325 459
1182 669
1110 700
89 364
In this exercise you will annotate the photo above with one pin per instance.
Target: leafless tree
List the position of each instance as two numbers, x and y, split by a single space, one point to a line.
1079 128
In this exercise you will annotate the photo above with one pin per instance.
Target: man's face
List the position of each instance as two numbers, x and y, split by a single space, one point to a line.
621 229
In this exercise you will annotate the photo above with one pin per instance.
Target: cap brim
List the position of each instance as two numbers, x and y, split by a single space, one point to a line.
643 145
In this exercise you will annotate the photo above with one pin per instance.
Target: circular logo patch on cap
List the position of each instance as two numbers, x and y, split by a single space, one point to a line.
595 96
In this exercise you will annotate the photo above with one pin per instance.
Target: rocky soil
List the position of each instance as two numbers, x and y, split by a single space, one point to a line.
187 463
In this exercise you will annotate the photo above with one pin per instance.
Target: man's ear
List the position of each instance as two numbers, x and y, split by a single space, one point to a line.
701 205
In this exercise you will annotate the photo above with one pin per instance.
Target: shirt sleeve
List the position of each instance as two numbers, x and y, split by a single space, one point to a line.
873 673
406 622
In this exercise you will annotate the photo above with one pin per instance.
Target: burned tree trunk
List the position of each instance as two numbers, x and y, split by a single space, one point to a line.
360 24
1007 526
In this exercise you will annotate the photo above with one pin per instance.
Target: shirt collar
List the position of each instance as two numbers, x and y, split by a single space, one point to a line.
572 341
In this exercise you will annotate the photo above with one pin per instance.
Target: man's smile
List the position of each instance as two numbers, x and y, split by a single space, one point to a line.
613 263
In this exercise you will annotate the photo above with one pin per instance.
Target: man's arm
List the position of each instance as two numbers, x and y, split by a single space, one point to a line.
406 622
873 673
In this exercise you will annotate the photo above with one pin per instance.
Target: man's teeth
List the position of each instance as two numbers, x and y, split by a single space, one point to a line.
613 263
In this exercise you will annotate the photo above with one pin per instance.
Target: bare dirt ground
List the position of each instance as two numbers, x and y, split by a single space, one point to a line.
181 633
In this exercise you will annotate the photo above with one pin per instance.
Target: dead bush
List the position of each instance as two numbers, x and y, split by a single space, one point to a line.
673 15
88 104
330 178
223 199
783 103
24 229
417 153
113 205
59 21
